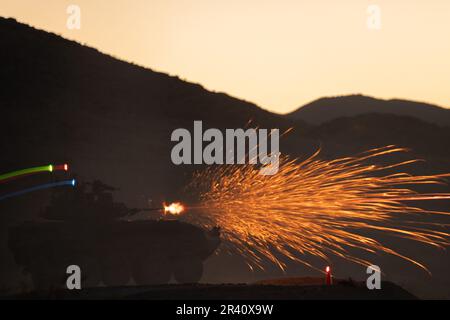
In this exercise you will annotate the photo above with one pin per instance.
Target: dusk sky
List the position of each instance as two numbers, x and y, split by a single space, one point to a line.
278 54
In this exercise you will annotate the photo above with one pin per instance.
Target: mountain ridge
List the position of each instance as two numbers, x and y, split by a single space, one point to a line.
67 102
111 120
326 109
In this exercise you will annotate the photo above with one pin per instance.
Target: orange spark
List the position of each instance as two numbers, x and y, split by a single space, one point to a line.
314 207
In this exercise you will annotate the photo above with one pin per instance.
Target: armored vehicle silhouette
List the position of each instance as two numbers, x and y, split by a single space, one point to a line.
90 230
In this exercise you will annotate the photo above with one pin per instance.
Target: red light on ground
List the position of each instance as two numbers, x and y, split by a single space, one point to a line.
66 167
328 279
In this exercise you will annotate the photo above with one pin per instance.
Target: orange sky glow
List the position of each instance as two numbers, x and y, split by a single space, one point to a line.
278 54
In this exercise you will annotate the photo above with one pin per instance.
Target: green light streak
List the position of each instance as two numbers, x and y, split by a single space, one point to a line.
17 173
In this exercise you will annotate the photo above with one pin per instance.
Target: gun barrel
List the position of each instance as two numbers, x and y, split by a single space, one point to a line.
134 211
149 209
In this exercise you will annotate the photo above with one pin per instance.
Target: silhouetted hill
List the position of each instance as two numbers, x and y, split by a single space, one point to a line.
111 120
348 135
326 109
64 102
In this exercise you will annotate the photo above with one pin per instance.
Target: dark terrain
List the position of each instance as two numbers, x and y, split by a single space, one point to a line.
342 291
111 120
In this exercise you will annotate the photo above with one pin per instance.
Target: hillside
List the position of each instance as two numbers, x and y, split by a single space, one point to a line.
111 120
348 135
330 108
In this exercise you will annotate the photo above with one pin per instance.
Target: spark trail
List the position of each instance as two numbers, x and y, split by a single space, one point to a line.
24 172
40 187
314 207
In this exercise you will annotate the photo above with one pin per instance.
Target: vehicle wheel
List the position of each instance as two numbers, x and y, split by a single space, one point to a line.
151 271
115 271
45 276
188 271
